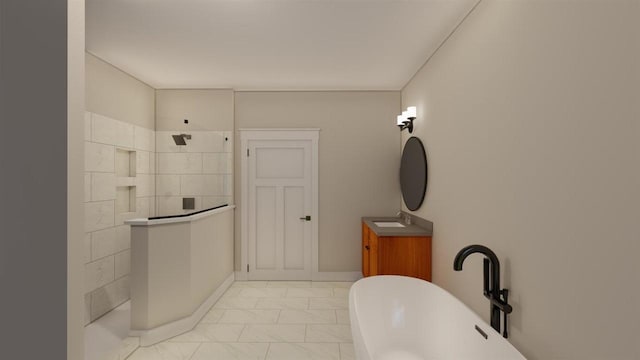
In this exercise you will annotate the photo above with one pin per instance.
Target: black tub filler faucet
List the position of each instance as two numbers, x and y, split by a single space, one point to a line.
498 297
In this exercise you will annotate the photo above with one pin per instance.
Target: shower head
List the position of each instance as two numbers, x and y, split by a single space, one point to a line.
180 139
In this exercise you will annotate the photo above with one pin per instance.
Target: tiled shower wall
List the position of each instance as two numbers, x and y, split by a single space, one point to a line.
119 185
202 169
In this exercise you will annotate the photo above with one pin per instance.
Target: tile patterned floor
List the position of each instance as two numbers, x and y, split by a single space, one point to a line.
260 320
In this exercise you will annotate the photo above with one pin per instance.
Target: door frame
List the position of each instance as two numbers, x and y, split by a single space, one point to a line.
246 135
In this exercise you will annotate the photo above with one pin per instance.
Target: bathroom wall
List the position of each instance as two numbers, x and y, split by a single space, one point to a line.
76 97
119 180
529 115
206 109
116 94
202 169
358 160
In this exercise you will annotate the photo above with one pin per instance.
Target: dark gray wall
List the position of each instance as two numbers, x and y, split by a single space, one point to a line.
33 179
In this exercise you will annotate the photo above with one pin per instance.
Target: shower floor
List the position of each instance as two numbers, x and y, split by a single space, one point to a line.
107 338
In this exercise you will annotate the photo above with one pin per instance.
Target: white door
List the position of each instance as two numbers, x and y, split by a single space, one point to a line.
280 208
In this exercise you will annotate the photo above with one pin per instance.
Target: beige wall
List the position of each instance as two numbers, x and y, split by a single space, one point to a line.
205 110
113 93
203 169
359 151
529 115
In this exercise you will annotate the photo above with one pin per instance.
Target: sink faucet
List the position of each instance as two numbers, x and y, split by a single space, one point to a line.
492 290
405 217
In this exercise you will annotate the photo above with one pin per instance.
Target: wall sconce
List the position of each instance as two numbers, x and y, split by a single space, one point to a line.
405 121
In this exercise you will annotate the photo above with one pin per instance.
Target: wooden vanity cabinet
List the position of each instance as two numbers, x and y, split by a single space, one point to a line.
395 255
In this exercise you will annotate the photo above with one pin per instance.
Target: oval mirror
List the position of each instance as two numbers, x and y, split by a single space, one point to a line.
413 173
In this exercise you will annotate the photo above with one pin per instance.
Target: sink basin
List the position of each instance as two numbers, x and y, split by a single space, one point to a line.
388 224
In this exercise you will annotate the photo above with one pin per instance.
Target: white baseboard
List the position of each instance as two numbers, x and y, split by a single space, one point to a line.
336 276
318 276
166 331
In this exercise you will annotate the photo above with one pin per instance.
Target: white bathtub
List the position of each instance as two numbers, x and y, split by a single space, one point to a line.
402 318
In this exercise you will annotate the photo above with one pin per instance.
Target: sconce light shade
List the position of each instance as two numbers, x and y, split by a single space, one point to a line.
405 121
411 112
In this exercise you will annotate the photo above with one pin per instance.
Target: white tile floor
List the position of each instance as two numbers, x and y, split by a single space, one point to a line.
260 320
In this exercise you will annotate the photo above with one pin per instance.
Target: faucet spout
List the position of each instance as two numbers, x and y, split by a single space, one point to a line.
472 249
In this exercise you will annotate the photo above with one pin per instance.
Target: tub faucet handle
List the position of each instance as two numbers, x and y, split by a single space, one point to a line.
505 297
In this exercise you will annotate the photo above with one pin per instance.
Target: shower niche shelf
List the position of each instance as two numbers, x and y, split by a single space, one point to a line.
125 199
125 163
125 181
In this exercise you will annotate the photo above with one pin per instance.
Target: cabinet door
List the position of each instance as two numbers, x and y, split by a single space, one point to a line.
365 250
407 256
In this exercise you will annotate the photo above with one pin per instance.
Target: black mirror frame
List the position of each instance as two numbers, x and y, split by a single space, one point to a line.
413 190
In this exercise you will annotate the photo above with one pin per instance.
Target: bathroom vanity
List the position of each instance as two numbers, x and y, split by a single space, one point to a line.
392 247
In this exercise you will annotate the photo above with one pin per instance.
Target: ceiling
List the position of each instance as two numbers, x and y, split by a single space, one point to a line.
271 44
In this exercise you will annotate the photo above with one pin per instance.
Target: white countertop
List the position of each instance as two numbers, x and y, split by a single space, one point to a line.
180 219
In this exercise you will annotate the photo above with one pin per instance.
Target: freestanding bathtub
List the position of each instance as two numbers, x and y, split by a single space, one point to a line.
403 318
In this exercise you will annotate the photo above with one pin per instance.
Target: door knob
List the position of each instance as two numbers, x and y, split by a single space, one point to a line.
306 218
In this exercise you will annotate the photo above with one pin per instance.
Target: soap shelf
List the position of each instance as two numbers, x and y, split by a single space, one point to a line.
125 199
125 181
